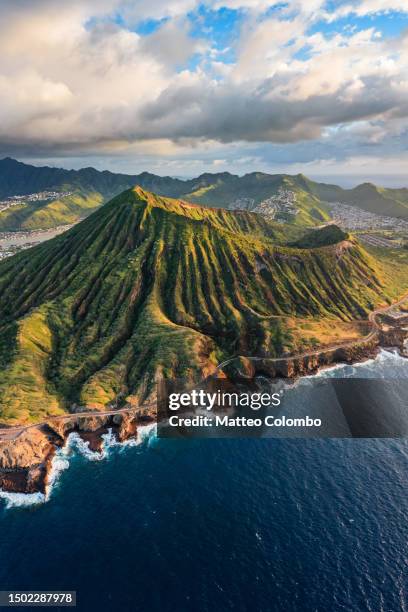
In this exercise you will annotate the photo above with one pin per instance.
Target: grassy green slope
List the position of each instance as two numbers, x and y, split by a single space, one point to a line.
326 236
259 186
91 188
17 178
311 195
88 190
391 202
149 287
49 214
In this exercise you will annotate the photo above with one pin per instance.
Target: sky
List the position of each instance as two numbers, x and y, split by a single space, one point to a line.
181 87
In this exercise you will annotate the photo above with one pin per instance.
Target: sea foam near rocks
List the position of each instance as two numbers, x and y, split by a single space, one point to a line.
75 445
15 500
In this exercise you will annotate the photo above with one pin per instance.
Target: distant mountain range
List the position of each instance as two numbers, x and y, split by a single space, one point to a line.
150 287
89 188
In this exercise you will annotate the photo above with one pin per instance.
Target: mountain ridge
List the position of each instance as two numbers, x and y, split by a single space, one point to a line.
91 188
149 287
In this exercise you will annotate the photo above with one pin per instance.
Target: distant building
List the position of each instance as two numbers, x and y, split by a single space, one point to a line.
283 202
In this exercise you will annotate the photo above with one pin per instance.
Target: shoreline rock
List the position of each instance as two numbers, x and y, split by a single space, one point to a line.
244 368
25 462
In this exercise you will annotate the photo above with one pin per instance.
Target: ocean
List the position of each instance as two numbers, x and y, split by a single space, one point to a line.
300 525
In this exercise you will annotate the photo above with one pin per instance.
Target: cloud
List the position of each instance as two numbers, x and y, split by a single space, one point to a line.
270 96
77 79
362 8
171 45
227 113
156 9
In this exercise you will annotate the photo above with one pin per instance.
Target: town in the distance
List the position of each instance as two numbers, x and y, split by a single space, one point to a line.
379 217
114 284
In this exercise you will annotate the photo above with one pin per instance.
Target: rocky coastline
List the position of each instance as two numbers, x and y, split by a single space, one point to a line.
247 368
26 459
292 366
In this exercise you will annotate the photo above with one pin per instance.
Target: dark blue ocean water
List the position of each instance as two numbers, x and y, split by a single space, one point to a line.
260 525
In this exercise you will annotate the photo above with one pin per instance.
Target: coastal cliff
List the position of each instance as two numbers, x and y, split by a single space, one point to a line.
26 458
246 368
149 288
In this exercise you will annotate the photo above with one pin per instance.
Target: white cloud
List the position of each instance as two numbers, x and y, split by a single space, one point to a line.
306 7
375 6
362 8
266 49
74 79
171 45
156 9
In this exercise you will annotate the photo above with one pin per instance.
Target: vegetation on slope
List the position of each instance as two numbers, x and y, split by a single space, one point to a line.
378 200
149 287
17 178
49 214
325 236
90 188
87 189
257 187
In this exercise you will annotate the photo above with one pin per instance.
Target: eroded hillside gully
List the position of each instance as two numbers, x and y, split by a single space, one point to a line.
98 314
26 454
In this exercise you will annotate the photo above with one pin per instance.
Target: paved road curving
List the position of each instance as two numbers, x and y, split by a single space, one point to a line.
332 347
11 433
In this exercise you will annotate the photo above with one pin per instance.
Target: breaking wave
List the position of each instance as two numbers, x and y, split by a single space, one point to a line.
76 446
22 500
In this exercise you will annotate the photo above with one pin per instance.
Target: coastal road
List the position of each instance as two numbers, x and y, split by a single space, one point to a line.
372 318
12 433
